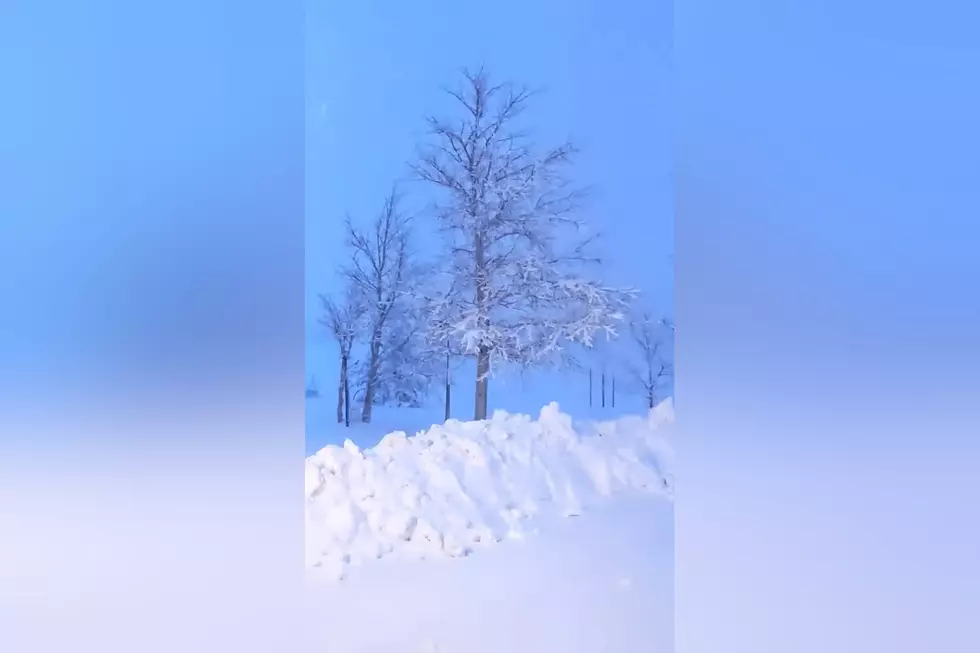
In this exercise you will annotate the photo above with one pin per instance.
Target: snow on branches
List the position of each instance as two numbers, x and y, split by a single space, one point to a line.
380 270
519 289
651 367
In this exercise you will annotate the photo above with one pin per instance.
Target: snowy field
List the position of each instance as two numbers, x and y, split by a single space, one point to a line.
601 583
514 534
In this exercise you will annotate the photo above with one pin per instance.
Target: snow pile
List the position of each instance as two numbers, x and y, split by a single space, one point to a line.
462 485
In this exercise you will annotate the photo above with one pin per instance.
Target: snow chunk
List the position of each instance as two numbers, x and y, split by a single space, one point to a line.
463 485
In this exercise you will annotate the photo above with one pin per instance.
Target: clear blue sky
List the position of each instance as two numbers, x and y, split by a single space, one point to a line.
375 69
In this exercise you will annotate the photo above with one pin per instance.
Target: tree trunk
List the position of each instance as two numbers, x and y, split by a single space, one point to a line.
482 383
651 387
340 391
372 378
346 390
449 383
603 389
483 353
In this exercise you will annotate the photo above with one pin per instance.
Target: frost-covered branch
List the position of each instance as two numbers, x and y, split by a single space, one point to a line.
380 271
520 290
652 367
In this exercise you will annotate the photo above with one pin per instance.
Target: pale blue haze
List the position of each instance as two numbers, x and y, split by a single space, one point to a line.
827 301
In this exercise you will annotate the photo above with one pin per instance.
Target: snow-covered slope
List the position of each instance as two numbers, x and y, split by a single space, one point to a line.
465 485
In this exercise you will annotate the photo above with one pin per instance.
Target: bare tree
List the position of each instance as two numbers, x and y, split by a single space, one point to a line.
343 320
652 367
517 254
378 271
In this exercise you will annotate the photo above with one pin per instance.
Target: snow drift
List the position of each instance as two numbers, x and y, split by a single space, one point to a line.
463 485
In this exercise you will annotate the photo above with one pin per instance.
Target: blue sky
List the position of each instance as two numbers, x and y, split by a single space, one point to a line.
375 70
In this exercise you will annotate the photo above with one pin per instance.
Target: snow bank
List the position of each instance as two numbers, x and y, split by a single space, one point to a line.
462 485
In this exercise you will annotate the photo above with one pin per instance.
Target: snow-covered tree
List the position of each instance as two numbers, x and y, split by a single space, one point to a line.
518 261
344 321
406 365
652 368
380 272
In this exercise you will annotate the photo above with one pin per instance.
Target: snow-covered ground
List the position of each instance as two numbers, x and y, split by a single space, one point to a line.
601 583
525 393
322 428
536 535
465 485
